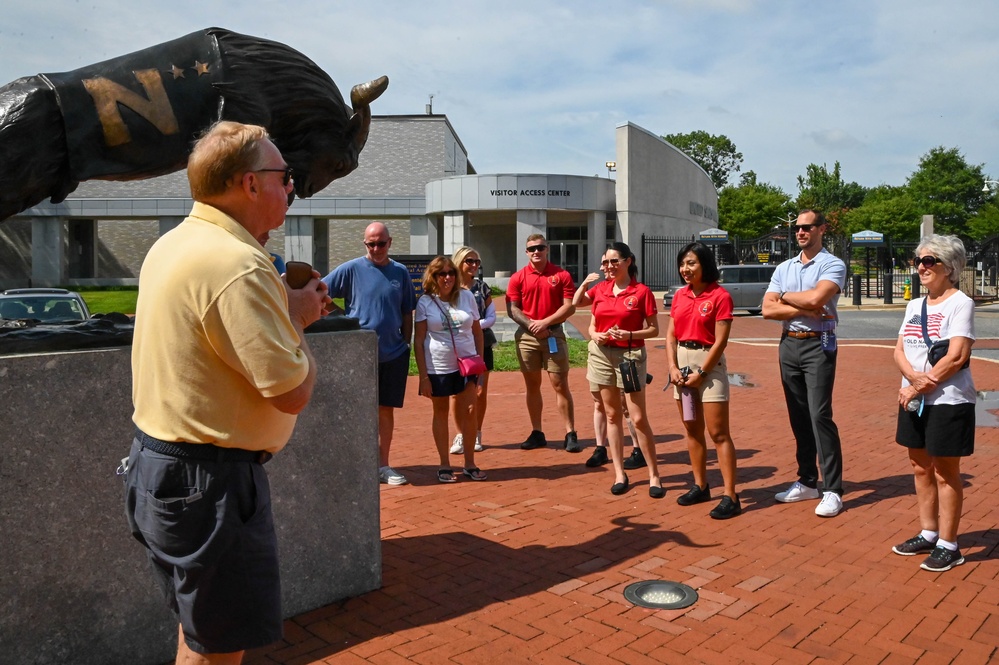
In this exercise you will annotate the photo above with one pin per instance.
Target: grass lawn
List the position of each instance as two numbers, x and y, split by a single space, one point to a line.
106 301
505 356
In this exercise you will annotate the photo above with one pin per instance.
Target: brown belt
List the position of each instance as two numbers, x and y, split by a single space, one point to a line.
802 334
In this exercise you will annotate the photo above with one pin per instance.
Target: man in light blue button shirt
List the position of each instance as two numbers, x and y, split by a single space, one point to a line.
802 295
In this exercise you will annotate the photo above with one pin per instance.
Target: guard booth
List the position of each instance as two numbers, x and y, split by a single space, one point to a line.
869 247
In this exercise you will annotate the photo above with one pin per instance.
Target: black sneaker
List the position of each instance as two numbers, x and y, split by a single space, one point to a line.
726 509
572 443
694 495
941 559
917 545
598 458
535 440
636 460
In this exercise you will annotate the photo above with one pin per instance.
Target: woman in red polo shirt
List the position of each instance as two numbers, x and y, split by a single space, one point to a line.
623 316
699 325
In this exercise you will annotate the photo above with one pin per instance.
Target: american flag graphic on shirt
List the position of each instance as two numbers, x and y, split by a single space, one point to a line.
914 326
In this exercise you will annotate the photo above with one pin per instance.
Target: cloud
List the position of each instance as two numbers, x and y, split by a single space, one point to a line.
540 86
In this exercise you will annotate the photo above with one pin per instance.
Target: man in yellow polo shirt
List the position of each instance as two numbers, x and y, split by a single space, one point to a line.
220 370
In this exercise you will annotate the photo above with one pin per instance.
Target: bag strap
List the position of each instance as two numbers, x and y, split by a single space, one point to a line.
454 344
922 320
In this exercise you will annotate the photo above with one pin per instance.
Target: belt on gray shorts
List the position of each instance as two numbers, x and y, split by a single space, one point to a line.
202 452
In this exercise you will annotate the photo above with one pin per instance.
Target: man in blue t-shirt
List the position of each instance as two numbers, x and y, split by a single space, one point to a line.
378 292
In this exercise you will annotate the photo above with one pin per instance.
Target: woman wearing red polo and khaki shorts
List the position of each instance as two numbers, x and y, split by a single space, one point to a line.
623 317
699 324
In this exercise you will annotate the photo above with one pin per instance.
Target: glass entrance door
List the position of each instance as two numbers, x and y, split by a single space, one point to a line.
571 255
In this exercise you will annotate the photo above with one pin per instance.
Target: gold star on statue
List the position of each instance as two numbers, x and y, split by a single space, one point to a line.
178 73
201 67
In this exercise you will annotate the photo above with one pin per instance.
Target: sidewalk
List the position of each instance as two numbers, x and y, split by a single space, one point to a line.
530 566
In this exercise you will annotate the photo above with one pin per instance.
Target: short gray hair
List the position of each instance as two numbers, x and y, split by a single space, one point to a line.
948 249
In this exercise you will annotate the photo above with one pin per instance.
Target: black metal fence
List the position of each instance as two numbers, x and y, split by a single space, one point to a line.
885 271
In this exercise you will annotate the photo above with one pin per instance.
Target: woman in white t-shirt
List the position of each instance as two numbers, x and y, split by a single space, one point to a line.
936 413
447 327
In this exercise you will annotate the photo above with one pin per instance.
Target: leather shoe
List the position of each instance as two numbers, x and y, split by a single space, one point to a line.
636 460
656 492
572 443
598 458
620 488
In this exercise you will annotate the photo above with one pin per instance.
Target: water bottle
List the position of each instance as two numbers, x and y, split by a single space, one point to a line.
913 404
552 345
687 401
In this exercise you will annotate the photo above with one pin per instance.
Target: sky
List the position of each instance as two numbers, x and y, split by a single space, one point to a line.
539 87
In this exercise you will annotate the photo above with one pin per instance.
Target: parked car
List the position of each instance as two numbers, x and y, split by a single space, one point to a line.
746 283
45 305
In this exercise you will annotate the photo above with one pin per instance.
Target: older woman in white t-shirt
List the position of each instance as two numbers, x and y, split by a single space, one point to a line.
936 415
446 328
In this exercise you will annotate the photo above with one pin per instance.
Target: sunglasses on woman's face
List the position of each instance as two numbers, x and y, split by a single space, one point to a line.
610 262
473 262
927 261
444 273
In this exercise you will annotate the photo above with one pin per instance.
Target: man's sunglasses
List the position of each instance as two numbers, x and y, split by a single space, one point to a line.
473 262
376 244
537 248
288 172
804 227
927 261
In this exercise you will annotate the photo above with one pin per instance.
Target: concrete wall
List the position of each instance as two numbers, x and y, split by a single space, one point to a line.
660 191
76 588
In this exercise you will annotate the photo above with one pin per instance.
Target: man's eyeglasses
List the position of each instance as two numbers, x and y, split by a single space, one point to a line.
610 262
376 244
804 227
473 262
288 172
927 261
445 273
536 248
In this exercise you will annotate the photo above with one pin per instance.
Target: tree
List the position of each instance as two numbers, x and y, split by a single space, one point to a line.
820 189
948 188
715 154
886 209
752 209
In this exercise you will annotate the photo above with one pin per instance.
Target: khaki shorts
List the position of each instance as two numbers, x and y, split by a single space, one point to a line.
534 356
603 362
714 384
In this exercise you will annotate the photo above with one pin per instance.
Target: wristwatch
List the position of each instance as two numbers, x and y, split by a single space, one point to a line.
700 372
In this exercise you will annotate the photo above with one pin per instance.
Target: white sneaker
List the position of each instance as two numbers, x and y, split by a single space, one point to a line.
458 447
830 506
478 442
797 492
390 476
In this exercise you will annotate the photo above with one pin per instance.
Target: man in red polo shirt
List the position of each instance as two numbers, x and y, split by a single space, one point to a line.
539 299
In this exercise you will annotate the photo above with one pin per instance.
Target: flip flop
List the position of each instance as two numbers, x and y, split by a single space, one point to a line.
475 473
446 476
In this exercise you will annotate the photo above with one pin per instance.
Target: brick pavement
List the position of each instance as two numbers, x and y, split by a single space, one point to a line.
530 566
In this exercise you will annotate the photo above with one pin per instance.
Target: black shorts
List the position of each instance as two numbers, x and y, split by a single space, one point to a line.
445 385
943 430
209 534
392 380
487 356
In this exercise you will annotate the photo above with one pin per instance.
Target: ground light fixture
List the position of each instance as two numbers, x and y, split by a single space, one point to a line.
660 595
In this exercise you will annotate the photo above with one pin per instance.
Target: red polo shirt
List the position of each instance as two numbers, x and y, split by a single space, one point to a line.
628 310
694 317
540 293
